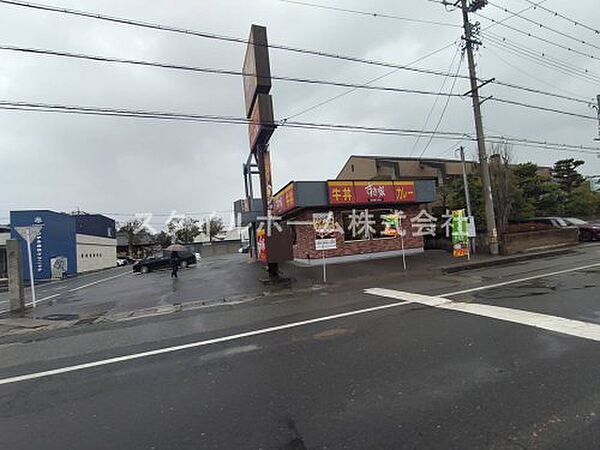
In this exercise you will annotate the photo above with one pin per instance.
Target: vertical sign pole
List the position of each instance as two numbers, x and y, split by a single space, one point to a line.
324 268
401 233
31 281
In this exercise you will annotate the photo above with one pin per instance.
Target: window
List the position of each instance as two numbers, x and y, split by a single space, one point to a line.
364 224
387 169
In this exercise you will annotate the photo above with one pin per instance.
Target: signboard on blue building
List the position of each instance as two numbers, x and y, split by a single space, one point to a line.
56 246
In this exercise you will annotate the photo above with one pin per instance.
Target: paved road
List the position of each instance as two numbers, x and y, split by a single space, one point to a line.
117 290
329 370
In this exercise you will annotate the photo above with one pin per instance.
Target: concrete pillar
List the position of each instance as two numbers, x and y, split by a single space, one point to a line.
16 290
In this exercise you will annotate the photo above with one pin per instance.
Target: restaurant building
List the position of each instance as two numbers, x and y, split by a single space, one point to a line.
361 210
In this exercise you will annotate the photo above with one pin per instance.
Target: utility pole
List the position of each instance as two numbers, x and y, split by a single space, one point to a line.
490 216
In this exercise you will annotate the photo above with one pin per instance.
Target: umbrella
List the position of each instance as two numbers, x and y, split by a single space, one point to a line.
176 248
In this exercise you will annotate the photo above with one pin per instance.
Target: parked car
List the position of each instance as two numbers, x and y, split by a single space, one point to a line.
124 261
556 222
162 260
587 231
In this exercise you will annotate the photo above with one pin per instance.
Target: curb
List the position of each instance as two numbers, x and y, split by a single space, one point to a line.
19 326
502 260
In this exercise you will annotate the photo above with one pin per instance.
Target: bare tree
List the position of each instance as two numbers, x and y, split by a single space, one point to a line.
504 186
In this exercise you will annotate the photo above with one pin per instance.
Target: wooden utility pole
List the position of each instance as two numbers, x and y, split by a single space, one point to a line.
490 216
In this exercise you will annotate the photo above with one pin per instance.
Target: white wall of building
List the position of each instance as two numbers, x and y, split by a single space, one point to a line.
95 253
3 238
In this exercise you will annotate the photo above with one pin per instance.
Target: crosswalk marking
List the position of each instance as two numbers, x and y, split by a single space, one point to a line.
547 322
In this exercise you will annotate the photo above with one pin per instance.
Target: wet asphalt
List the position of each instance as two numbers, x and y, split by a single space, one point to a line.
405 377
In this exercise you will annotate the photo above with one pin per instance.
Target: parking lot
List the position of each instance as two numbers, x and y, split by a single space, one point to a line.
119 289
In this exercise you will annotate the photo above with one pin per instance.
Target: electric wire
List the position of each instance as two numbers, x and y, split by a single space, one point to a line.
206 118
443 113
562 16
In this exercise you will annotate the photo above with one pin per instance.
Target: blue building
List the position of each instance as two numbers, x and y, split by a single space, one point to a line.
68 244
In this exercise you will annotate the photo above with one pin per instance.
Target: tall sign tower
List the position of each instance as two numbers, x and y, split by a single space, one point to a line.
273 244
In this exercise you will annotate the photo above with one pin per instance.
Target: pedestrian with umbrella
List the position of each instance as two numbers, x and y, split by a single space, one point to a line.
174 249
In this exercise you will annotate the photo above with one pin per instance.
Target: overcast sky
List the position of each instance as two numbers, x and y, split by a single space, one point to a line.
121 166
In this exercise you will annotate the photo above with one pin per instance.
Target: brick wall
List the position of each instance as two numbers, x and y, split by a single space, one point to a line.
305 239
511 243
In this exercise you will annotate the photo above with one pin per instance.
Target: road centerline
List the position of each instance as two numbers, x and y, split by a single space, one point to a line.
164 350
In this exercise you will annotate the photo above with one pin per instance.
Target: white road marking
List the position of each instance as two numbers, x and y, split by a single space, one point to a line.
521 280
565 326
561 325
70 290
160 351
98 282
40 300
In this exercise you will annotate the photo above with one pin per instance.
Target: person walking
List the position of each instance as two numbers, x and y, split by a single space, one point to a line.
174 264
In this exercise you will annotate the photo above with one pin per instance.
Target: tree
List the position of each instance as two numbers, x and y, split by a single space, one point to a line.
212 227
163 239
565 174
184 230
132 229
540 195
455 198
504 185
583 202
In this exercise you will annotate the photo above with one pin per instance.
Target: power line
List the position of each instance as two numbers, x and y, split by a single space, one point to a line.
533 36
206 35
335 97
369 82
547 58
573 21
232 39
369 14
205 118
214 70
545 27
544 59
442 114
435 102
354 86
530 75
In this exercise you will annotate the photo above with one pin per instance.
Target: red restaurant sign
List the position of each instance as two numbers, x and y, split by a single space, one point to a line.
284 200
369 192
